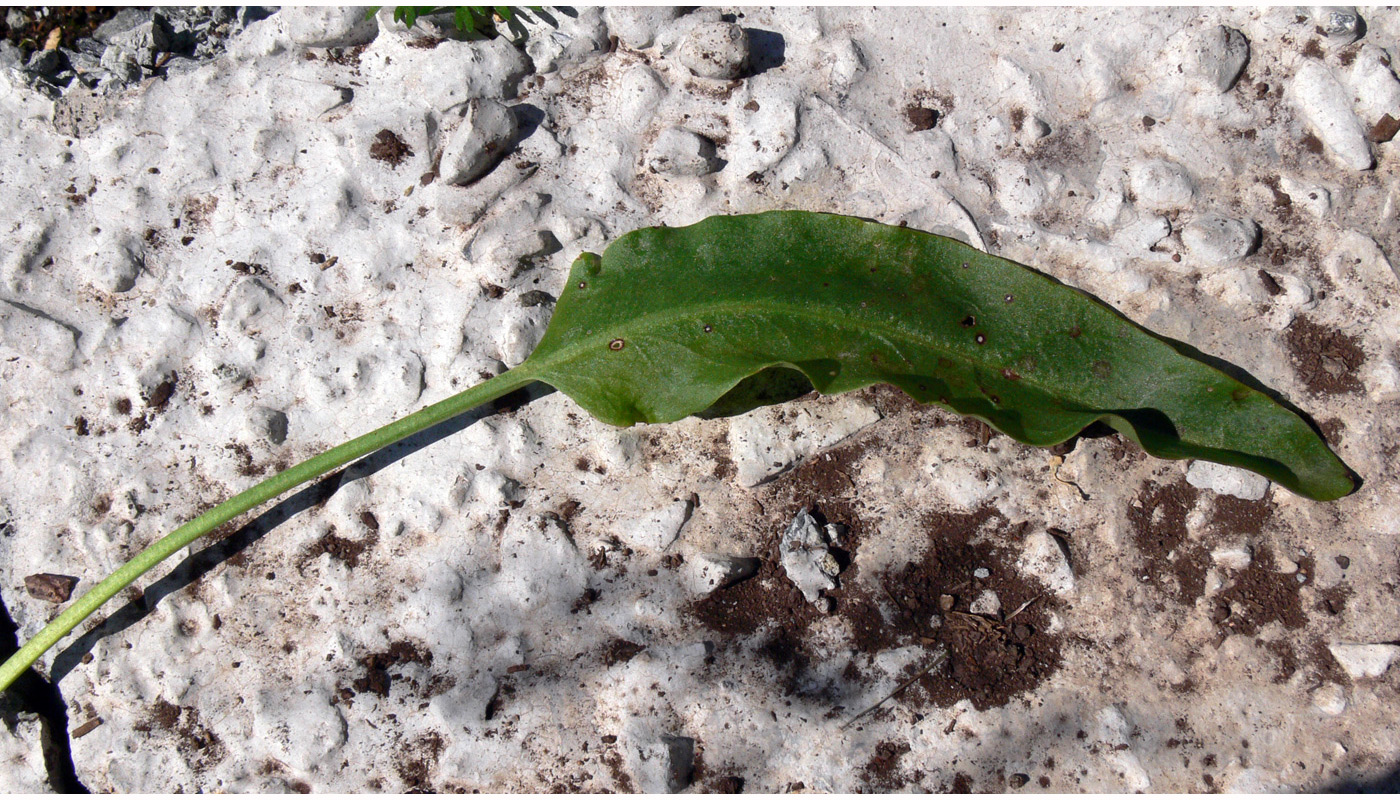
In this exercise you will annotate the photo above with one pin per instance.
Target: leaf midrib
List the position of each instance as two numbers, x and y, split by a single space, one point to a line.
585 345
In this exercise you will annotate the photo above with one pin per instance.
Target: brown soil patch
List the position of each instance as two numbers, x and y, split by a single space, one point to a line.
389 148
1261 594
1326 359
1158 520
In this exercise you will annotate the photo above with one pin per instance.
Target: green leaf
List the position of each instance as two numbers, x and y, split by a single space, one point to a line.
669 320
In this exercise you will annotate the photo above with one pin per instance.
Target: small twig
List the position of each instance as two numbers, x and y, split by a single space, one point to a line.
1023 607
932 665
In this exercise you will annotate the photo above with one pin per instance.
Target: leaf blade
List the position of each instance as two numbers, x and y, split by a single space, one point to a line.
669 320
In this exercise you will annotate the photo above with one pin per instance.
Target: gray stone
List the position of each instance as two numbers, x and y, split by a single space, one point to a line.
681 153
486 131
636 26
715 50
125 20
146 41
809 564
122 64
1219 56
328 26
46 62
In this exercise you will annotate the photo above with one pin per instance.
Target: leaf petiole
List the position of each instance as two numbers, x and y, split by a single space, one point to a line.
288 479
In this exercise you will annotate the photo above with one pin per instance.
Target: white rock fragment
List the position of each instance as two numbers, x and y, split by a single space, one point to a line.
1330 699
1218 56
809 564
636 26
680 153
708 572
1327 107
1113 730
1232 558
328 26
1161 185
1218 240
1143 234
665 766
715 50
1223 479
1043 556
987 604
1341 24
486 131
639 93
965 485
1365 660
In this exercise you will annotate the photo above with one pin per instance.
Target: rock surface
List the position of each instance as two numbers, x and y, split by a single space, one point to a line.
218 267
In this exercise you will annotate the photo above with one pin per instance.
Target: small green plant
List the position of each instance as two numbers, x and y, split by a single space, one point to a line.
479 20
735 312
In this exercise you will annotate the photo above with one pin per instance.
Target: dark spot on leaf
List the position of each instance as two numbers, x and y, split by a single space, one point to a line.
968 321
616 344
708 328
1010 374
583 284
1101 370
1239 394
1009 298
981 339
1075 332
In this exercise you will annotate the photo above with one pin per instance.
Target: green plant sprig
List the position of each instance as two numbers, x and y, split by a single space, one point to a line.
736 312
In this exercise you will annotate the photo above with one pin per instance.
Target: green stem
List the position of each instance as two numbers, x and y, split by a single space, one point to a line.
283 481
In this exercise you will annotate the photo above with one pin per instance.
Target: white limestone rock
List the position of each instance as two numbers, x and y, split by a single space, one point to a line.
299 727
707 572
1365 660
1044 557
717 50
328 26
1218 240
480 140
1161 185
1327 107
1218 56
987 604
1223 479
1330 699
1232 558
31 334
636 26
807 559
681 153
656 528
